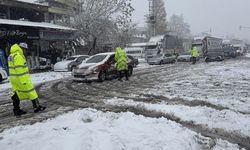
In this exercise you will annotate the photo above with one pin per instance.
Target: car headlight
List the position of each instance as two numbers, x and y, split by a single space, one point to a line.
92 70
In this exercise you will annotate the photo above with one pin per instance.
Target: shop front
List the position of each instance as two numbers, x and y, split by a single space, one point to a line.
44 40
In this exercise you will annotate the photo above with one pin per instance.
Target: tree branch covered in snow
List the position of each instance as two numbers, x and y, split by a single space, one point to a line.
177 26
101 21
158 24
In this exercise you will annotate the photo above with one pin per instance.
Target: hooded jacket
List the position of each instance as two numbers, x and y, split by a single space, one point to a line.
19 74
195 52
121 59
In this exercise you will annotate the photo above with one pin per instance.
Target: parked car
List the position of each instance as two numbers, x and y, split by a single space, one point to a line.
215 55
99 67
70 63
185 57
162 59
3 74
229 52
135 60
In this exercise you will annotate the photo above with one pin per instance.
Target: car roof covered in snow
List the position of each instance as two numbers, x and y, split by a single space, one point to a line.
106 53
36 2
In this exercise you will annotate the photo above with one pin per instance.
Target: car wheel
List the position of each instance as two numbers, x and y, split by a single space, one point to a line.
130 71
161 62
174 61
73 67
219 58
1 78
206 60
101 76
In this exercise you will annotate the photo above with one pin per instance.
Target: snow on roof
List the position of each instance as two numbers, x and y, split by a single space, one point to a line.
34 24
106 53
137 44
33 2
157 38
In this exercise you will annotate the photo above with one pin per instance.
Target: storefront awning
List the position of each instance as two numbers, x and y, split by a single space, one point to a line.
34 24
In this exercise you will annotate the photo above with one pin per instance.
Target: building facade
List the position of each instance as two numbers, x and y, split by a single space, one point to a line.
28 21
61 11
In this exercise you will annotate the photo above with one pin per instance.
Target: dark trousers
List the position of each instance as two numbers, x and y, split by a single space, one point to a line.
126 74
194 60
16 101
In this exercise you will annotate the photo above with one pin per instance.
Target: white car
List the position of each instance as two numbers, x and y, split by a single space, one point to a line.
185 56
3 74
160 59
70 63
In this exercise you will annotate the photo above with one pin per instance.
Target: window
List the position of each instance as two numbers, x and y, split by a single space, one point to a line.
71 58
96 59
168 55
80 59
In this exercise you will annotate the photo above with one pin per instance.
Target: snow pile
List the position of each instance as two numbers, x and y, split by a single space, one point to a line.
220 83
93 130
248 55
224 119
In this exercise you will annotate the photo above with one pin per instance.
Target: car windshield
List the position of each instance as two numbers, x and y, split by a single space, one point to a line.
151 47
71 58
168 55
96 59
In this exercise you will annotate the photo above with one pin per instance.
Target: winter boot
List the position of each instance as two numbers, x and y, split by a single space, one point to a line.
37 107
16 104
19 112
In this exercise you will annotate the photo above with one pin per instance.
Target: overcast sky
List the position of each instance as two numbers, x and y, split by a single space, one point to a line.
224 17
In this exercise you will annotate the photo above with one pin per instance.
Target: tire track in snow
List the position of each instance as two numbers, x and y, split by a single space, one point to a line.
205 131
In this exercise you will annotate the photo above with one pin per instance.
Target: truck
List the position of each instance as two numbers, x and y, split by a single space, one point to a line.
137 50
239 46
162 46
210 48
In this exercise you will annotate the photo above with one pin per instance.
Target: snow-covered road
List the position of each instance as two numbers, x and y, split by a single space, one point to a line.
177 106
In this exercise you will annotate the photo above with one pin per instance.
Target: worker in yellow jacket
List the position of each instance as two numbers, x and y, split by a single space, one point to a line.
22 87
195 54
121 62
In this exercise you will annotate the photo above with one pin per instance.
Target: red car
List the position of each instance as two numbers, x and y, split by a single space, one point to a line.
99 67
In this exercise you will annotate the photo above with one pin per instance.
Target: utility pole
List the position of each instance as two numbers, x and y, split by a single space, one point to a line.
152 15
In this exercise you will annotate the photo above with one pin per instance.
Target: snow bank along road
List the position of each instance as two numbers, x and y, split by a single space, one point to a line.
211 99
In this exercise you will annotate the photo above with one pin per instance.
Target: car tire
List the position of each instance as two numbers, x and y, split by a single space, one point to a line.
1 78
130 71
161 62
101 76
73 67
207 60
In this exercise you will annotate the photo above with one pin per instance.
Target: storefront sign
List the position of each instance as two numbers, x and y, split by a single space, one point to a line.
10 33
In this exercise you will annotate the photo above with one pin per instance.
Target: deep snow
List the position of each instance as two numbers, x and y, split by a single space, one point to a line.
220 83
90 129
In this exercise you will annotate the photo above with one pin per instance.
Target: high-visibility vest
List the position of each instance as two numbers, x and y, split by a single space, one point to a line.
195 52
19 75
121 59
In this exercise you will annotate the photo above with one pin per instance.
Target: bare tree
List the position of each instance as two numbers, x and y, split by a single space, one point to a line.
101 21
157 21
177 26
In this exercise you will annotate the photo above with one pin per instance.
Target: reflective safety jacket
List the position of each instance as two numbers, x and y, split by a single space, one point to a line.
121 59
19 75
195 52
